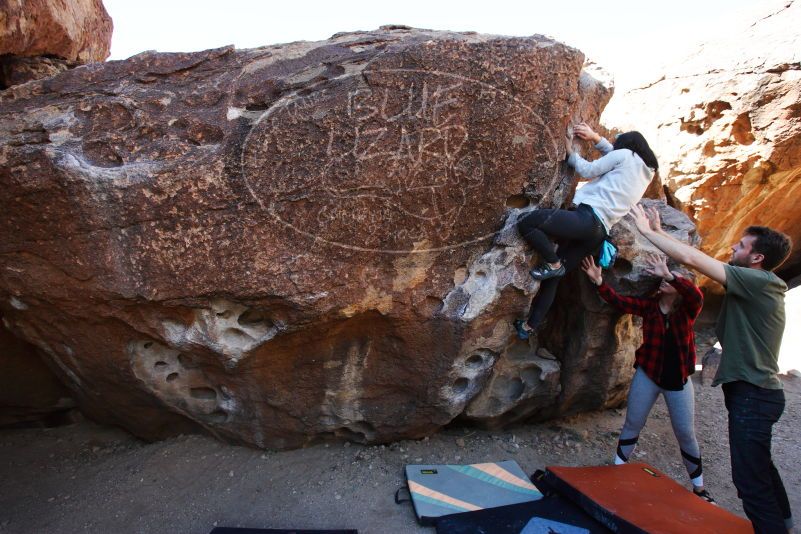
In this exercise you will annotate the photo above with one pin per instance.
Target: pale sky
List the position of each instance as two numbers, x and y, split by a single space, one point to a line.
630 39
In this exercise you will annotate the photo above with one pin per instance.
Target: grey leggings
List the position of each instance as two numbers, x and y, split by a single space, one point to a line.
681 406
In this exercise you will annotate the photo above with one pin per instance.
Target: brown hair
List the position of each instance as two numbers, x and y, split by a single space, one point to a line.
773 245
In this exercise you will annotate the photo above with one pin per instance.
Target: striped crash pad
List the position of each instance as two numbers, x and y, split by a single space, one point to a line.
440 490
549 515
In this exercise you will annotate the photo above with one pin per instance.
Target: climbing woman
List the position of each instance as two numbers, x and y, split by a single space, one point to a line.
619 179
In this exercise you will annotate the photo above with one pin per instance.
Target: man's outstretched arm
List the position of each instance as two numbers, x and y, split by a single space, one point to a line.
650 226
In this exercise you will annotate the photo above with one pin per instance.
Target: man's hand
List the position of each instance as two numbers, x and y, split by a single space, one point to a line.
593 271
641 220
568 144
653 217
657 266
586 133
651 229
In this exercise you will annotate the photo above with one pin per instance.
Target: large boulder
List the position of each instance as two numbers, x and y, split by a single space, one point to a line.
305 241
725 124
40 38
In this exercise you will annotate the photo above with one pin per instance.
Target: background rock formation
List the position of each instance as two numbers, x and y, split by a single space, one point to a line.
725 124
40 38
298 242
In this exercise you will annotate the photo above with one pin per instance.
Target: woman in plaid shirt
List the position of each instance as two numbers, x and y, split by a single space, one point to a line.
664 361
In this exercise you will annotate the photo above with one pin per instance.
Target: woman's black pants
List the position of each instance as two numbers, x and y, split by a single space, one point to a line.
579 233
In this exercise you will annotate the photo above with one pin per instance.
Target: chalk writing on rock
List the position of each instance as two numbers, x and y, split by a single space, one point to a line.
389 159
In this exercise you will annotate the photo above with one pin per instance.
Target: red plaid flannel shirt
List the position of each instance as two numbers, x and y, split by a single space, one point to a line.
650 355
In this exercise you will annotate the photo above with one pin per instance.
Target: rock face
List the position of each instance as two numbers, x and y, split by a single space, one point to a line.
298 242
40 38
726 127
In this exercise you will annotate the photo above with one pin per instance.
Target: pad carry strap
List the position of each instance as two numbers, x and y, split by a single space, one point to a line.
397 495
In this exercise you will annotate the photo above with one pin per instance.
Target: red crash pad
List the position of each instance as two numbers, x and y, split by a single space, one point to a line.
636 497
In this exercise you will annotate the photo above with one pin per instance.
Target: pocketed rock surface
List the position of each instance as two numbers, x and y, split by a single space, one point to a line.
88 478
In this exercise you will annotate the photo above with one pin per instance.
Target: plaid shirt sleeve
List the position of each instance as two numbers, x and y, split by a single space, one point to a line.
692 298
650 355
633 305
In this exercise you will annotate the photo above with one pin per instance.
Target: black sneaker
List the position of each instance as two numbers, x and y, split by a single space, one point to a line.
544 271
704 494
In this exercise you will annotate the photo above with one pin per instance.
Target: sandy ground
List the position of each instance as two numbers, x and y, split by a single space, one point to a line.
90 478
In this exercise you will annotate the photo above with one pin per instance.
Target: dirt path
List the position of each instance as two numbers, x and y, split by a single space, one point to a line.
88 478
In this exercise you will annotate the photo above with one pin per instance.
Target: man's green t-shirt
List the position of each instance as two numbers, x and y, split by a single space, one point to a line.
750 327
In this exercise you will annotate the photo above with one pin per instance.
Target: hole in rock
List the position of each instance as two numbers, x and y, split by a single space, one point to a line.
160 364
517 201
622 267
203 393
236 337
172 376
260 106
741 129
715 110
148 344
350 435
101 154
255 318
460 275
514 388
217 416
431 305
460 385
475 361
793 111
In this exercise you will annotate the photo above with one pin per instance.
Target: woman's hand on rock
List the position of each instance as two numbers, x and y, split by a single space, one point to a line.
592 270
586 133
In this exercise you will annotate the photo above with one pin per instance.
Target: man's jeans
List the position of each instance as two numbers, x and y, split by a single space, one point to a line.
752 412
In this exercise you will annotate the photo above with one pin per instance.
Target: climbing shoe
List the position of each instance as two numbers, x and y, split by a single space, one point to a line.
522 333
544 271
